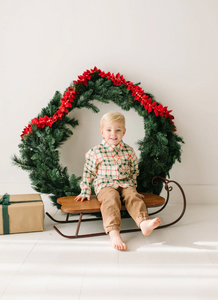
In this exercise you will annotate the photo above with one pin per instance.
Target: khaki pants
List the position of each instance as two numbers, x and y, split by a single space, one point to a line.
111 205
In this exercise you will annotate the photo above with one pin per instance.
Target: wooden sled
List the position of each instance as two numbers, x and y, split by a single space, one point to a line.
70 206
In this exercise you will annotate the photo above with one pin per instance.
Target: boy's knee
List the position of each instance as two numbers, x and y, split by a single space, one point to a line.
130 194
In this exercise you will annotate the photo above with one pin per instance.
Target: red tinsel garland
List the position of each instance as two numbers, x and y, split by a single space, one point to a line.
70 94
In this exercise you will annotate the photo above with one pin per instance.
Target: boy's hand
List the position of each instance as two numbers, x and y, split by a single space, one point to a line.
80 198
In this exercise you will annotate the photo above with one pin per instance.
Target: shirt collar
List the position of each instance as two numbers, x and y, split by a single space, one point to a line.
113 147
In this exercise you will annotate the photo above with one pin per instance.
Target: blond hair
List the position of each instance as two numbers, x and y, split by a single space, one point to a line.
113 116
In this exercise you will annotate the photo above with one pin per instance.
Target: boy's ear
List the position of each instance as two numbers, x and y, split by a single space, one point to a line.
124 131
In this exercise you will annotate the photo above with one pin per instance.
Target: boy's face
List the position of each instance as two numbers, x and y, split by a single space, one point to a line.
113 132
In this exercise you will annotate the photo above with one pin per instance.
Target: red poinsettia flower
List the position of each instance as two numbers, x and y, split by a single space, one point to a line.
27 130
150 109
148 104
129 85
50 122
117 82
108 75
41 123
144 99
68 104
102 74
156 113
122 79
69 95
62 108
59 115
35 121
55 117
95 70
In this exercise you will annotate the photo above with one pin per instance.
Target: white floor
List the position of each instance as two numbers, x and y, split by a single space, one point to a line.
179 262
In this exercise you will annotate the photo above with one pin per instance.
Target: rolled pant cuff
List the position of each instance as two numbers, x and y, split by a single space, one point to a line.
110 228
141 219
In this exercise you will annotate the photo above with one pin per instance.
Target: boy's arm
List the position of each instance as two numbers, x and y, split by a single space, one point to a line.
89 174
134 169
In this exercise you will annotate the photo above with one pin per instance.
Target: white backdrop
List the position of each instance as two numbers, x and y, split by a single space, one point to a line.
170 46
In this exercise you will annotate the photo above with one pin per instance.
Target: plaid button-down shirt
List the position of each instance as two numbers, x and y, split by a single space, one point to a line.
109 165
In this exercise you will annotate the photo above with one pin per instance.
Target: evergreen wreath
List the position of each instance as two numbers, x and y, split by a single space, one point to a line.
41 139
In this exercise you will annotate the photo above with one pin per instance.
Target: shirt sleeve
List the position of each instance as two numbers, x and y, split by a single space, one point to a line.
89 174
134 168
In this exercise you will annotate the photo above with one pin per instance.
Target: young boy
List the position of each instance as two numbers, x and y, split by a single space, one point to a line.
112 167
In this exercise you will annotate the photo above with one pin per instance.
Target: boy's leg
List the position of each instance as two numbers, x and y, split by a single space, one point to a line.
138 211
110 210
134 205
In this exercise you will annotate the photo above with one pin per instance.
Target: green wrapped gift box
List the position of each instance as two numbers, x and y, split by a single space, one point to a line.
21 213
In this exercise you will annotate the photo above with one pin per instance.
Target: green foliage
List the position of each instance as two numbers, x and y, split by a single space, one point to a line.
39 151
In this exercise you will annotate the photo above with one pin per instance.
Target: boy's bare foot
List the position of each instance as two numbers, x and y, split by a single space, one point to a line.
148 226
116 240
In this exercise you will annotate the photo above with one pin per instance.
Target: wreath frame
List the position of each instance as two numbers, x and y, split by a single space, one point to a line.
44 135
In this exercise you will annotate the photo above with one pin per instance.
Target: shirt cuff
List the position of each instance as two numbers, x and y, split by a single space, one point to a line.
85 193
